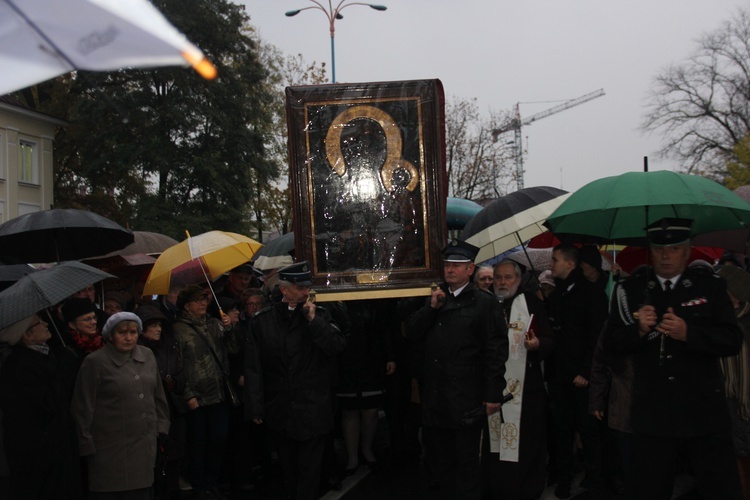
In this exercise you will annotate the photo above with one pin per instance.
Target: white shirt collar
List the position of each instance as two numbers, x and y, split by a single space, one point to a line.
673 280
458 291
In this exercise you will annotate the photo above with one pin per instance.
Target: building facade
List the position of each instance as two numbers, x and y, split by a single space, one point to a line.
26 160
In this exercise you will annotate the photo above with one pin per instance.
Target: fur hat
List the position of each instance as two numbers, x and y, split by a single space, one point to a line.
118 318
75 307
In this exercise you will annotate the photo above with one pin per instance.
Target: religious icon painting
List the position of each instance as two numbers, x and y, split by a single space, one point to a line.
367 166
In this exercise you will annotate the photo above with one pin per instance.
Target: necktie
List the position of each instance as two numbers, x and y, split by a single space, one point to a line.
663 346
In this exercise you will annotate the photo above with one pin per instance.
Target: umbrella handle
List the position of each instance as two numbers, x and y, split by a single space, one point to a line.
54 327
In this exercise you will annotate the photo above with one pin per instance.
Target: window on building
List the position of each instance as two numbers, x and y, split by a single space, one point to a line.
2 157
2 211
28 162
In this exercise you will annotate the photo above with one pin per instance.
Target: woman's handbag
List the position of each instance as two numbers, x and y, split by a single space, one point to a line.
232 392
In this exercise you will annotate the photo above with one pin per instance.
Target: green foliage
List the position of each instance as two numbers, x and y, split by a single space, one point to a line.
162 149
739 170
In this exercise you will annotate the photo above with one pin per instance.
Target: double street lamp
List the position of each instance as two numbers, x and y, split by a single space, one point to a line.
333 13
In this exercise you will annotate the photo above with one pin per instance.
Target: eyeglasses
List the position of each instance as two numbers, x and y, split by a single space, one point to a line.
254 304
89 319
202 299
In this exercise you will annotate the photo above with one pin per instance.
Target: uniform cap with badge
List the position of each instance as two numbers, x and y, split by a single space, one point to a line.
459 251
297 274
669 231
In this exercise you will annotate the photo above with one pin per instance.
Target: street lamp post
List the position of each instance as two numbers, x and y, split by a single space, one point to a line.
333 13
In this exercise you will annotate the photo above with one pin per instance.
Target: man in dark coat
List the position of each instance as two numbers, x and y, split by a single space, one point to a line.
578 310
464 345
289 365
677 322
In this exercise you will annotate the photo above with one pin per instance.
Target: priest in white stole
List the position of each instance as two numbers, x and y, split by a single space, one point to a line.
518 459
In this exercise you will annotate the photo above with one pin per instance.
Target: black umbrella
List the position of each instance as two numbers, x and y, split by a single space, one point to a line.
276 253
13 272
511 220
60 234
46 288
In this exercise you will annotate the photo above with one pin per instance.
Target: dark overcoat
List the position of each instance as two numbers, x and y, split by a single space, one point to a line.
465 346
39 432
289 366
680 394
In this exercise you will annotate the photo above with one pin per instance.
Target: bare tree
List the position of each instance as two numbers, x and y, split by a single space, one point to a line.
478 168
702 106
270 210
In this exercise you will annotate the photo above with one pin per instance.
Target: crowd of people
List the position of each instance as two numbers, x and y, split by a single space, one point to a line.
503 381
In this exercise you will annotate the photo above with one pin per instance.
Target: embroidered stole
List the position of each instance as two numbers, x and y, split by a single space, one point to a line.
505 436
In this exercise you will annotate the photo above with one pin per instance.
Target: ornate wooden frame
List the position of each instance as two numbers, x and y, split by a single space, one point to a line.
367 165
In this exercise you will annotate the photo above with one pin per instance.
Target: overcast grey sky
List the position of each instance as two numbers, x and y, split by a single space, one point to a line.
506 51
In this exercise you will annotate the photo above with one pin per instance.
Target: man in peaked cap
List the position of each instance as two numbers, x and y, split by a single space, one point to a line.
677 321
289 357
459 326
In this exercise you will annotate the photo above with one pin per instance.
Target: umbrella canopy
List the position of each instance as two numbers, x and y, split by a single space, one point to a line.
276 253
13 272
127 268
537 259
41 39
145 242
511 220
46 288
214 252
459 211
60 234
619 208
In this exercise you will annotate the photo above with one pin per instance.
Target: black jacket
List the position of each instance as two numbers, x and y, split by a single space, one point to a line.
683 394
578 311
465 346
38 430
289 366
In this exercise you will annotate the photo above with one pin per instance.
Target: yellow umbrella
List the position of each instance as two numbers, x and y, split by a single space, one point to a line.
208 254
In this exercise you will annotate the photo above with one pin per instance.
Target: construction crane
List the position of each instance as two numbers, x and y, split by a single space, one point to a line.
516 124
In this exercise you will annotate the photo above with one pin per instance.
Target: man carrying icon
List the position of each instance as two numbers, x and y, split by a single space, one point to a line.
290 359
464 342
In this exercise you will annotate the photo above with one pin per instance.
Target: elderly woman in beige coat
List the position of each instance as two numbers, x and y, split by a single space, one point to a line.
120 408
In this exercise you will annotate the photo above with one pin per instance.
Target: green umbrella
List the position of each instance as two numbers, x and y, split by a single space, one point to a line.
619 208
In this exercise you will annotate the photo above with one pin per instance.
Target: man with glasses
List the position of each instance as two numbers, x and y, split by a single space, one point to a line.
203 346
